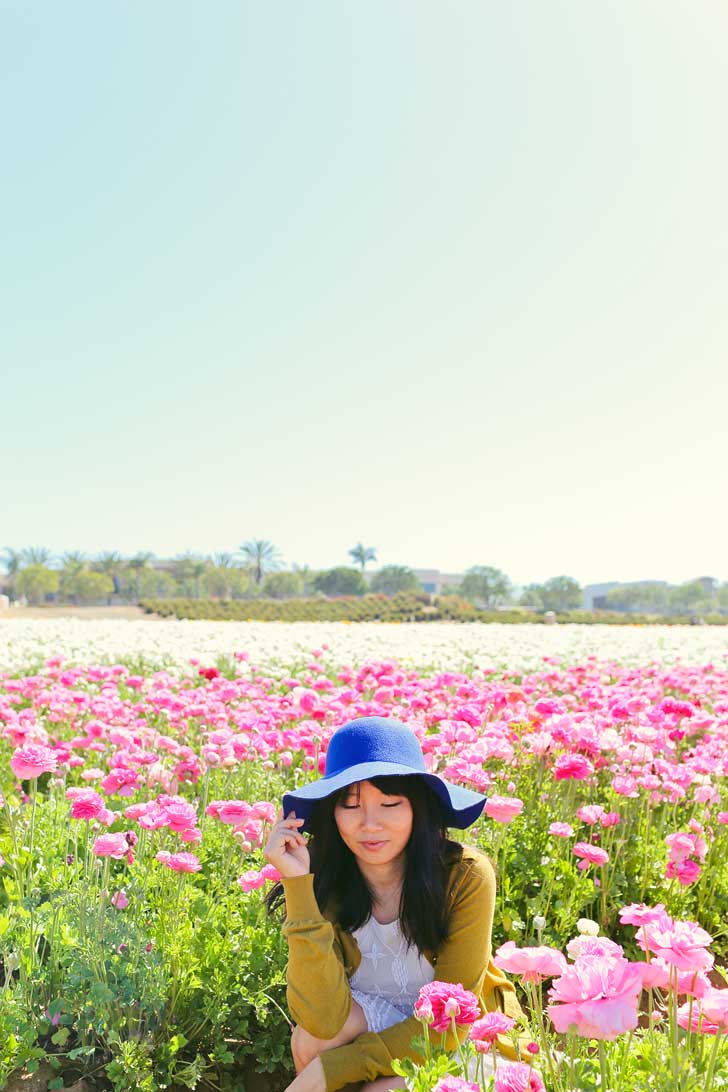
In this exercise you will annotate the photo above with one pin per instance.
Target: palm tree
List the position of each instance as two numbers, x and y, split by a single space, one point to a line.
361 554
13 560
223 561
110 563
136 564
35 555
72 563
261 555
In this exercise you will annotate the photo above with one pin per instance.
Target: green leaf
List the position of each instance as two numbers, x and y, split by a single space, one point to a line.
100 993
56 1083
61 1036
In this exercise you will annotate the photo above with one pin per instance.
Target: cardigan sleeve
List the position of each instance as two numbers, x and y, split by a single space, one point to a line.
318 993
464 958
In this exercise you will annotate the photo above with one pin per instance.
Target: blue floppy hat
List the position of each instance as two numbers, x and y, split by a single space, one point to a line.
379 747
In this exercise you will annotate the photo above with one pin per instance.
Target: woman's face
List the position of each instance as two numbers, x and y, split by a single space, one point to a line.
375 827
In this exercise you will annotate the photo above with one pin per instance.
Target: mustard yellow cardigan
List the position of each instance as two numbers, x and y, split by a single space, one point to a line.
322 958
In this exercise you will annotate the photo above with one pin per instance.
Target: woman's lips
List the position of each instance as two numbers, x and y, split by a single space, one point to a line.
373 845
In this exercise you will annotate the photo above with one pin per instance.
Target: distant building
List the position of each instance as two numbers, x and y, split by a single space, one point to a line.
434 582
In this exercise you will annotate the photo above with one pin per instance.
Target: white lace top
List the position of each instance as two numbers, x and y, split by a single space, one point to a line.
388 979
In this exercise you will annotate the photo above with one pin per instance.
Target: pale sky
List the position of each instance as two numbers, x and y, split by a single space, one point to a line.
448 278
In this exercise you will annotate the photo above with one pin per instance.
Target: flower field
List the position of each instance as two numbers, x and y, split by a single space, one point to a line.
143 762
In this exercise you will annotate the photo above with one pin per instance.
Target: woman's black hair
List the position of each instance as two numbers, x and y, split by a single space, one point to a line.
338 882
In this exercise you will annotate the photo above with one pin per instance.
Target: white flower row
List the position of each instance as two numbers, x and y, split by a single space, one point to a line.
426 645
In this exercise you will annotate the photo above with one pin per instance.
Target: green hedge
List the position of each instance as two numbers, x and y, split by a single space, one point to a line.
404 607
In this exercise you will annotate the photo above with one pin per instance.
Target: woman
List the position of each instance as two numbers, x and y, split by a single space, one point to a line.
378 903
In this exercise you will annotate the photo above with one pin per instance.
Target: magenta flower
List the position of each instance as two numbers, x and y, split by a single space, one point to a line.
572 768
179 862
32 761
503 809
486 1030
87 804
598 996
439 997
111 845
517 1077
532 964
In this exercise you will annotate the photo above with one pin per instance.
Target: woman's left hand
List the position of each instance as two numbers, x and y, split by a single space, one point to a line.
310 1079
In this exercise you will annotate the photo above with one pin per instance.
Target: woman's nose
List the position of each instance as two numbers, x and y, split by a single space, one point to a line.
370 819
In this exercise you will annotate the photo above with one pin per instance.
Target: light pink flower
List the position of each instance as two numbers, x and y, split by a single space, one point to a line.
32 761
532 964
179 862
517 1077
119 900
454 1084
436 995
111 845
680 943
561 830
251 880
590 813
503 809
486 1030
637 913
598 995
685 871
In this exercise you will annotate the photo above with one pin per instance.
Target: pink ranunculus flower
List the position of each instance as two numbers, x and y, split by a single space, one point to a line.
87 804
486 1030
572 768
714 1004
532 964
597 995
707 1015
517 1077
271 873
234 812
680 943
685 871
454 1084
637 913
111 845
590 813
589 854
251 880
32 761
503 809
436 995
179 862
610 819
561 830
119 900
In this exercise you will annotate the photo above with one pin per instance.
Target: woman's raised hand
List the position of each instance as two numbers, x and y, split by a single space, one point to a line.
286 847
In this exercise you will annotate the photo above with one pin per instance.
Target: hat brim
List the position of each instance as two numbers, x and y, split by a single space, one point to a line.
461 806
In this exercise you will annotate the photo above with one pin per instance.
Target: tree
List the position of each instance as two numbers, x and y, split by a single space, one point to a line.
340 581
35 582
486 586
13 560
188 571
283 585
72 564
111 565
90 586
307 577
561 593
136 565
395 578
361 554
689 598
532 596
261 555
225 582
35 555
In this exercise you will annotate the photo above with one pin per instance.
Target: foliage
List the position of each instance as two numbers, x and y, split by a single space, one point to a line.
486 586
340 581
392 579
